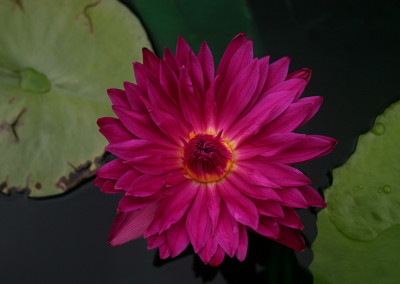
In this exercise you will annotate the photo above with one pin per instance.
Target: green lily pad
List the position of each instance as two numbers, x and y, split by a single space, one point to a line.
57 59
358 233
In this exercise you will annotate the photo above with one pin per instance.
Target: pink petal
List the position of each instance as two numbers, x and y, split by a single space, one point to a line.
227 232
178 238
172 208
292 197
239 95
267 145
277 72
265 111
141 125
251 190
113 170
304 74
141 75
291 219
125 181
151 61
256 146
155 165
134 95
312 197
133 148
278 173
213 204
190 107
182 51
156 240
114 130
196 74
218 257
146 185
263 65
287 148
130 225
169 124
296 84
169 81
118 97
241 208
208 251
210 106
295 116
164 251
291 238
98 181
233 46
302 148
243 242
107 185
171 61
269 208
162 100
198 222
238 62
130 203
207 64
254 176
268 227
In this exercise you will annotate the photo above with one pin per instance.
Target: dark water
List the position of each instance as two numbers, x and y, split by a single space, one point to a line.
352 47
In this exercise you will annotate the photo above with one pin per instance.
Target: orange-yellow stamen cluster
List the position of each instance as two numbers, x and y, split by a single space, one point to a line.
207 157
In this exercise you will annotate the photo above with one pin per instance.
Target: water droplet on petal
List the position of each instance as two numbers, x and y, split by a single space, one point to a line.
379 128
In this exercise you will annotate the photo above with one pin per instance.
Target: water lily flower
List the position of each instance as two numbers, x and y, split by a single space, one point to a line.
204 156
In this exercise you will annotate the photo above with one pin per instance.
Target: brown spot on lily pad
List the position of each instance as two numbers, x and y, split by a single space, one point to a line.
87 16
17 3
3 185
16 123
82 172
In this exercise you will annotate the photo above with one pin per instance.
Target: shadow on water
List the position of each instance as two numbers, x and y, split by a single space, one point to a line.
266 262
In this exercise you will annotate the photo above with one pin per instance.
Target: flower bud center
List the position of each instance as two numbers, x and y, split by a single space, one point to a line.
207 158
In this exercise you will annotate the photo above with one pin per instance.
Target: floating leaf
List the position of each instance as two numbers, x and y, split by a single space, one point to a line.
57 59
358 239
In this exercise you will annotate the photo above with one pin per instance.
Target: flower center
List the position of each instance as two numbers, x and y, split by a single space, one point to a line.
206 157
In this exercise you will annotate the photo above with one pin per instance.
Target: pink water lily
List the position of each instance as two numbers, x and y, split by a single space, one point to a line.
203 156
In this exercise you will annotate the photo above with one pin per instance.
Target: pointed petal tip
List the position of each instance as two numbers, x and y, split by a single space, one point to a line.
100 121
204 45
241 34
145 50
112 243
304 73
